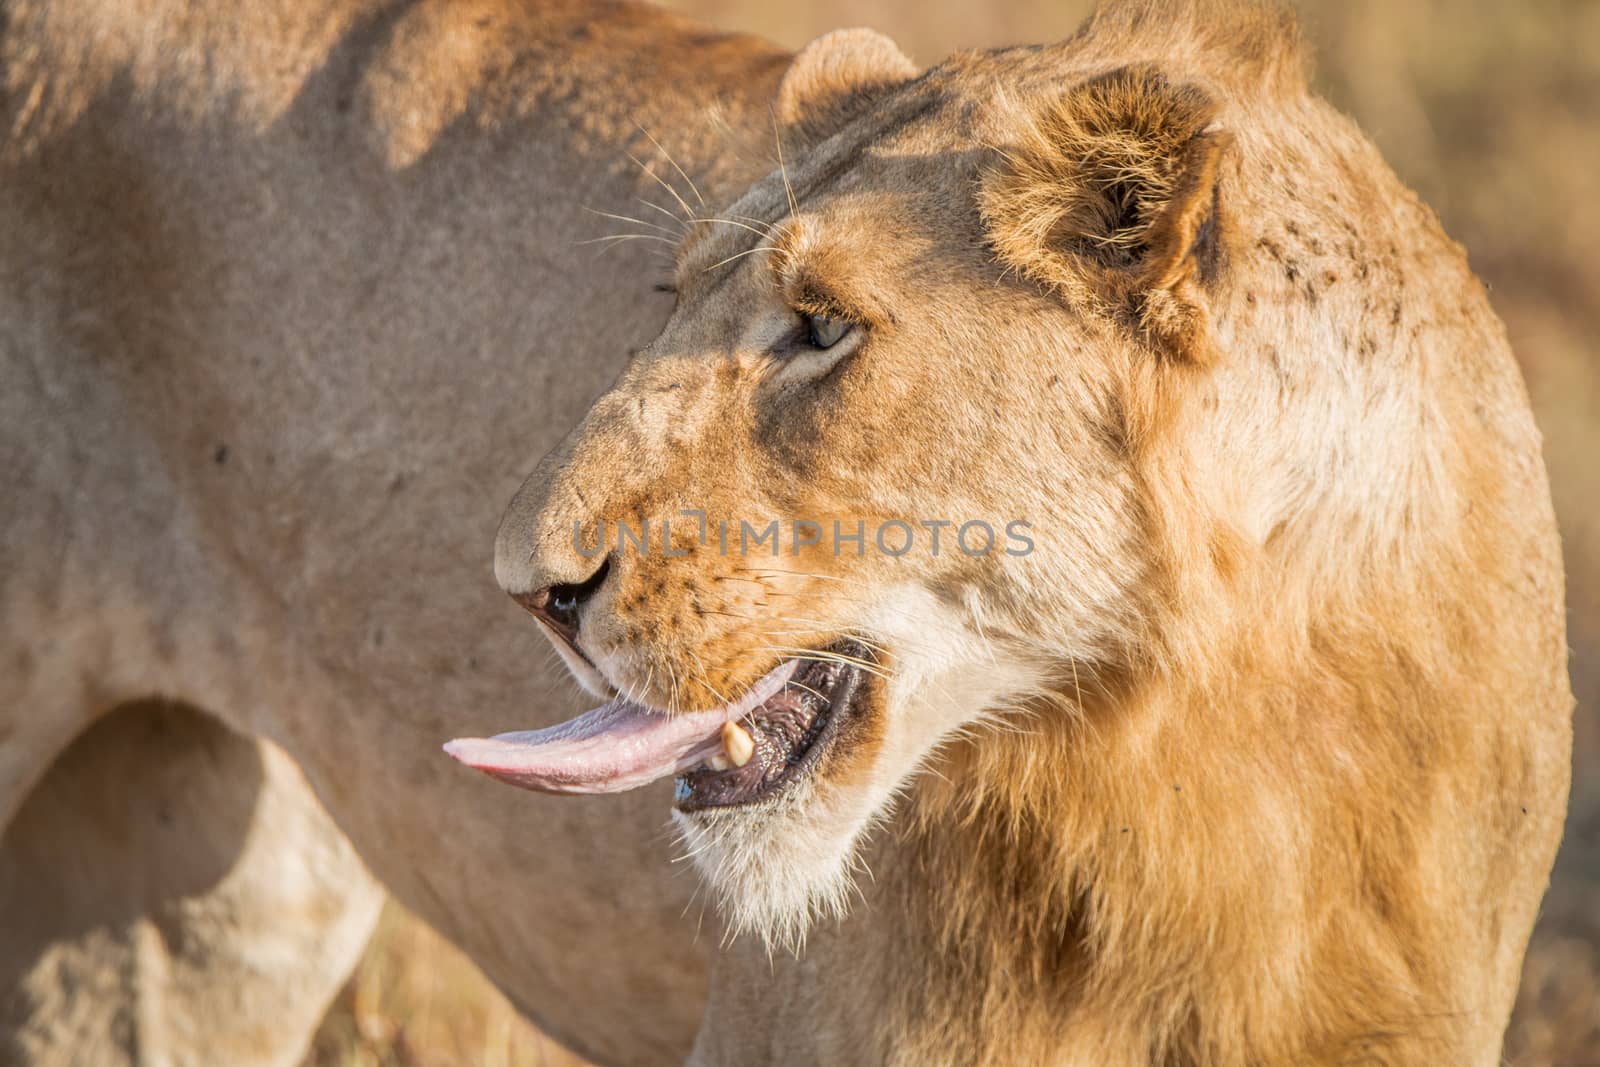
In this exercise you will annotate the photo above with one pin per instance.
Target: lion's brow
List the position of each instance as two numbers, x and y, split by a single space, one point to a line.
749 231
809 292
879 126
809 182
766 221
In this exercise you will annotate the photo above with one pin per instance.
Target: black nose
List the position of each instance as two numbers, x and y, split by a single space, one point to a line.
562 605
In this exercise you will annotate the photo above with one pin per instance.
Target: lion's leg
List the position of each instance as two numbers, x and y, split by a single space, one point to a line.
172 893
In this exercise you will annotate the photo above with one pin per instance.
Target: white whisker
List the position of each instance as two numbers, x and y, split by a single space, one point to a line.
668 155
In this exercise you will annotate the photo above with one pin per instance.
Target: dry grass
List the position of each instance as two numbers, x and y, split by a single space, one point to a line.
1492 111
415 1001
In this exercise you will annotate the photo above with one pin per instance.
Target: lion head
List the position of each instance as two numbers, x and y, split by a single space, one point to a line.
874 482
1045 387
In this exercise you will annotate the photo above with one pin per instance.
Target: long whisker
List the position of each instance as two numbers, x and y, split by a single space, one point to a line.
809 594
683 224
674 702
615 237
674 163
701 677
810 626
871 646
741 255
823 656
807 688
768 226
783 170
687 210
630 218
743 226
692 853
649 676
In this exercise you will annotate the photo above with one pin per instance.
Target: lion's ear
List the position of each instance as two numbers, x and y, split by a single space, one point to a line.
1109 194
834 78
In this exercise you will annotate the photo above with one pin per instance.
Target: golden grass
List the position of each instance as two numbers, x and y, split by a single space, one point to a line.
416 1001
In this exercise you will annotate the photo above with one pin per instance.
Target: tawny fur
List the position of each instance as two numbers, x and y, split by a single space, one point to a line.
1260 758
289 295
1103 197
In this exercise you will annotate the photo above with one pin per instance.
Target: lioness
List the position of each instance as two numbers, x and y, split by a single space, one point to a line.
1256 754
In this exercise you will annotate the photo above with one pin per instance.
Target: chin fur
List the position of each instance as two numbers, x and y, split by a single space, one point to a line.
776 868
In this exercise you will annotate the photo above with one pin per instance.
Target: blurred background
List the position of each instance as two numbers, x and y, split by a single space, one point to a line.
1491 110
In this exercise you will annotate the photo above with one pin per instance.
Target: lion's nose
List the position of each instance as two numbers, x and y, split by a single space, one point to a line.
562 605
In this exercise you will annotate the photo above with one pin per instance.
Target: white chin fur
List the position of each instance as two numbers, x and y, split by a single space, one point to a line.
777 866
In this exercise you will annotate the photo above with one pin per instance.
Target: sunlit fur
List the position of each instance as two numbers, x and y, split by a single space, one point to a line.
1261 757
777 871
290 293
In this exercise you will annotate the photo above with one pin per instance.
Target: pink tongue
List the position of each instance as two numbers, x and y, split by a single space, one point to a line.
616 747
612 748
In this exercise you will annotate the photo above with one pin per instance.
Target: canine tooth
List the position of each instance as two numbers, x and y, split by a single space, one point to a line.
719 762
737 744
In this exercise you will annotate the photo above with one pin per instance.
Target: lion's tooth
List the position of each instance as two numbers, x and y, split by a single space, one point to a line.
719 762
737 744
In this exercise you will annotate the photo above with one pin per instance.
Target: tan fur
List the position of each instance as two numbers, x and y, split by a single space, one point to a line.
289 295
1104 196
834 77
154 912
1261 757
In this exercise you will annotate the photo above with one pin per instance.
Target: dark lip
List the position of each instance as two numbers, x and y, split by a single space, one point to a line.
566 639
841 699
555 627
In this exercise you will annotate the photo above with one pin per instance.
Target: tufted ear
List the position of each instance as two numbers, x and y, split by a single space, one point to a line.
834 78
1109 195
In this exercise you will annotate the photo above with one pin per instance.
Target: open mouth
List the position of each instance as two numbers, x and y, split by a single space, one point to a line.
737 754
786 735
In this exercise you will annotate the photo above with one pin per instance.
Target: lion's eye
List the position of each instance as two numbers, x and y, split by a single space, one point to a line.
825 331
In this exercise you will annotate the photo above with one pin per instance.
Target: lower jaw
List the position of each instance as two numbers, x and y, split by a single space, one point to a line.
696 793
708 790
